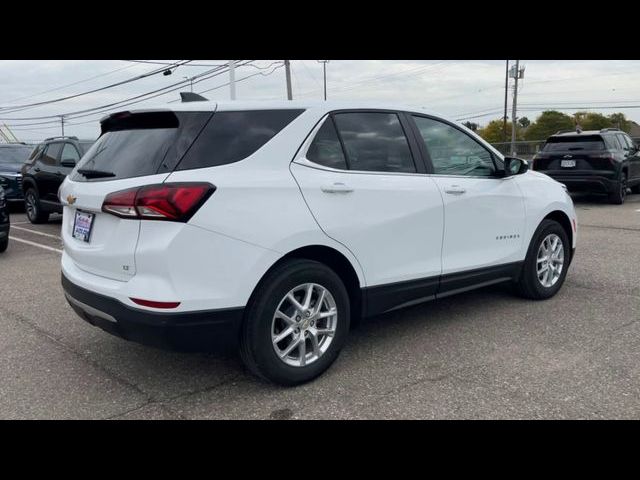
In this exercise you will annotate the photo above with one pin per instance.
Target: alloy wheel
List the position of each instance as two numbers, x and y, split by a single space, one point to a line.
550 260
304 324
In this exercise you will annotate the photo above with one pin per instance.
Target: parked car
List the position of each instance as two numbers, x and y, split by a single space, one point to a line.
600 161
4 221
48 165
12 158
271 226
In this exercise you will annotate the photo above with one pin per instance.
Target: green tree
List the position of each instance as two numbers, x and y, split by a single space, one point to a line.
620 121
548 123
471 125
493 132
524 122
592 121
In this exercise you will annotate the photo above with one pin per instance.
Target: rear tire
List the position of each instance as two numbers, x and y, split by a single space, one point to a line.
636 188
33 207
266 356
618 196
535 285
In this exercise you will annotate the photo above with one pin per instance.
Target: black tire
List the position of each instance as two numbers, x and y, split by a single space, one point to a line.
256 348
618 196
528 284
33 207
635 188
4 243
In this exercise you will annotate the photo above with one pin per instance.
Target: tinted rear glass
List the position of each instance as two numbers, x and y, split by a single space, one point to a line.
233 136
588 142
17 154
136 145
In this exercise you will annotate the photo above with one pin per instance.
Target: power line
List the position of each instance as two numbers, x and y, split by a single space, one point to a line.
72 84
79 113
57 100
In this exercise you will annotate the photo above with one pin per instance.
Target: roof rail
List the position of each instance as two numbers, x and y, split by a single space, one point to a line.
565 131
610 129
60 136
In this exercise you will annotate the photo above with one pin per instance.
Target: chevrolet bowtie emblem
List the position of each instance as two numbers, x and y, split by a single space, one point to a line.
71 199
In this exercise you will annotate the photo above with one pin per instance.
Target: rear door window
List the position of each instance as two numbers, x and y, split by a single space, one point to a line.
375 141
69 153
574 143
51 154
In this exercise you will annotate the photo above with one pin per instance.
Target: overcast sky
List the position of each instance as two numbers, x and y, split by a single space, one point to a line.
459 89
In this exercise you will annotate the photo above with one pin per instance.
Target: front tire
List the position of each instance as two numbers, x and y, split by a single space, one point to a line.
33 207
296 323
4 243
545 266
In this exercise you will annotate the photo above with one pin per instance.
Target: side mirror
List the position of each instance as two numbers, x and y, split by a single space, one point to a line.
514 166
68 162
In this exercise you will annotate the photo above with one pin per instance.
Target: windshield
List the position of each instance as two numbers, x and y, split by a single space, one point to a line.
574 143
17 154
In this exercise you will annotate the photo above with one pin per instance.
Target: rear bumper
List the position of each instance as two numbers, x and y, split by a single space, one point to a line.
585 181
209 330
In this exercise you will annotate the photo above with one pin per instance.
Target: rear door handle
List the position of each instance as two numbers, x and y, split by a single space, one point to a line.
336 188
36 169
455 190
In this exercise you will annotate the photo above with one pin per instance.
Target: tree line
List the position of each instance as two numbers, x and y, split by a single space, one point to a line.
548 123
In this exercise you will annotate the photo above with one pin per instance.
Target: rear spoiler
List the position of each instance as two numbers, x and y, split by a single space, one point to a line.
192 97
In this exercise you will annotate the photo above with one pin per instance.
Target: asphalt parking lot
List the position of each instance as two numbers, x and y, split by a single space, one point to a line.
485 354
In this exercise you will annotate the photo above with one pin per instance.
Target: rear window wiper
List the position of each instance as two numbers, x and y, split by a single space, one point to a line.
88 173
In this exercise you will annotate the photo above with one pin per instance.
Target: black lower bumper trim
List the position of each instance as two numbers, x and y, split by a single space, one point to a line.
587 183
209 330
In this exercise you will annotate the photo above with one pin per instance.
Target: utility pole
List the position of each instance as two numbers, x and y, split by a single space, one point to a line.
516 75
232 78
62 124
506 90
324 71
287 67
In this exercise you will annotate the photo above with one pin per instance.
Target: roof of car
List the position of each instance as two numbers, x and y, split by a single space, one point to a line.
281 105
573 133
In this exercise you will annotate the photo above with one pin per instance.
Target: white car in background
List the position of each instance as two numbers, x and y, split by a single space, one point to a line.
268 227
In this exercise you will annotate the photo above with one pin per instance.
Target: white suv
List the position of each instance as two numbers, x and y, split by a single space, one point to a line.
269 227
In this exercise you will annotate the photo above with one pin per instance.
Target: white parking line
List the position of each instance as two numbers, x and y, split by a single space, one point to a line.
33 231
34 244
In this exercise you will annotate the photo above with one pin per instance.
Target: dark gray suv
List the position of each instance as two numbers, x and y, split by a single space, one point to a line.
601 161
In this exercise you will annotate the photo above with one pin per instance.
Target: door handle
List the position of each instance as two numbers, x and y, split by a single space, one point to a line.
455 190
36 169
336 188
59 173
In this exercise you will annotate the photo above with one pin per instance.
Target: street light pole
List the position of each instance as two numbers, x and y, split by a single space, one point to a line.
515 107
287 67
232 78
506 92
324 71
62 124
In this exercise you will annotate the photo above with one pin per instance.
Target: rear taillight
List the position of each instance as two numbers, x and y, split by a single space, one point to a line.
166 201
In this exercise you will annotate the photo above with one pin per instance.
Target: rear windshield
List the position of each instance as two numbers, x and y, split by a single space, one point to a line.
17 154
134 145
588 142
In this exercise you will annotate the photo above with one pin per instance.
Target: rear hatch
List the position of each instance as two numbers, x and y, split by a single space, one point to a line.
134 149
573 153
